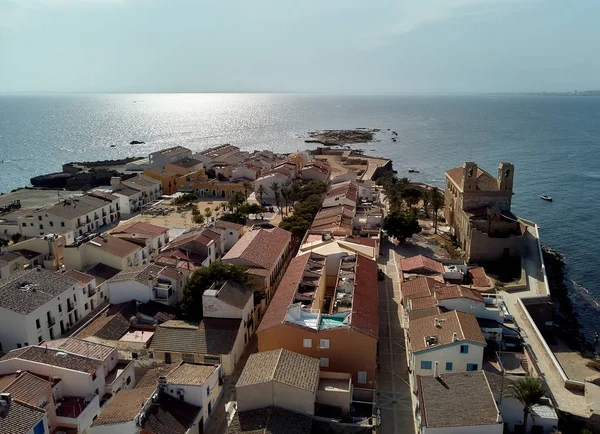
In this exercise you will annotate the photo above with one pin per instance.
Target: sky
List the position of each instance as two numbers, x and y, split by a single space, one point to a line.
324 46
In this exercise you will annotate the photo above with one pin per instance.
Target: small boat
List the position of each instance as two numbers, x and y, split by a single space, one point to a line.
413 171
544 197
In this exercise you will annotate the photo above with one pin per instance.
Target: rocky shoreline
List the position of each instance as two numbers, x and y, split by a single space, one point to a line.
342 137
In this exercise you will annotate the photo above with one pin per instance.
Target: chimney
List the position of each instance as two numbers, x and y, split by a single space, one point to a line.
436 369
39 267
454 337
115 182
5 399
437 323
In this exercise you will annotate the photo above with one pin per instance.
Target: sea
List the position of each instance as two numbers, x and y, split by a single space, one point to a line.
553 141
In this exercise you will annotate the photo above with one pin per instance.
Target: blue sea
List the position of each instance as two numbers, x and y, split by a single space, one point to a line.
553 141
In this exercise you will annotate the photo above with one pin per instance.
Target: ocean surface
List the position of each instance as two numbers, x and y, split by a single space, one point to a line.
554 143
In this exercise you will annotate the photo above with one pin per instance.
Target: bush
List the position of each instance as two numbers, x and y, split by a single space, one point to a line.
234 217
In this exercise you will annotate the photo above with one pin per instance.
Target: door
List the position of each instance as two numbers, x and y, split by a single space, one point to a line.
167 357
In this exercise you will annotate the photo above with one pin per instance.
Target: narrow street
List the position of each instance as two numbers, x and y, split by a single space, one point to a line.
393 389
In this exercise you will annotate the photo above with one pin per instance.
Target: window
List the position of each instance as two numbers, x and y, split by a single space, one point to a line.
25 344
60 308
86 306
40 218
39 339
472 367
51 224
62 225
187 357
207 390
362 377
448 366
324 343
425 364
307 343
37 323
464 349
128 380
74 297
41 226
24 224
324 362
18 345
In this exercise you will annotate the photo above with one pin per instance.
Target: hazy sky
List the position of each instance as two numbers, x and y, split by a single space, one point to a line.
337 46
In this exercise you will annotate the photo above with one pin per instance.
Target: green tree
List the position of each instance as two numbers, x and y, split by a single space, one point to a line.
198 218
529 391
207 212
260 191
435 200
275 187
15 238
234 217
195 211
411 196
247 186
401 225
201 280
236 198
251 208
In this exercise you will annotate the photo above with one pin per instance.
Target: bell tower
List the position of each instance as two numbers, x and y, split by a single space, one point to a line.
469 177
506 173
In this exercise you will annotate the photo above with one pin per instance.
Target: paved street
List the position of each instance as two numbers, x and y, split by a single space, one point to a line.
394 397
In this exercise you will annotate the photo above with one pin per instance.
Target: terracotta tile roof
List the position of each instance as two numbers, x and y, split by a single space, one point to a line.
457 291
212 336
104 195
28 388
426 302
234 293
418 287
124 406
191 239
102 272
186 163
283 366
51 356
170 416
160 312
141 274
151 376
5 380
191 374
485 181
78 207
422 313
113 245
19 417
270 420
419 262
262 247
14 353
284 295
140 228
6 257
126 192
112 325
463 324
461 399
456 175
479 277
365 306
81 277
81 348
228 225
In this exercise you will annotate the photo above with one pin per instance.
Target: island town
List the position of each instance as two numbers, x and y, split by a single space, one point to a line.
226 291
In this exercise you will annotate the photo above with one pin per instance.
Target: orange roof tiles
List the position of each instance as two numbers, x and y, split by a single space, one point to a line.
262 247
141 228
421 262
463 324
365 311
457 291
418 287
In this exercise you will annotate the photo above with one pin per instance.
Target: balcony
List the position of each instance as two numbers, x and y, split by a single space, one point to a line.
91 292
163 292
103 213
117 378
51 321
70 306
76 411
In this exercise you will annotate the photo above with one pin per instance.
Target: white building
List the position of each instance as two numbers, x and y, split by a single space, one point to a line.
72 217
248 172
459 403
153 237
452 341
220 155
147 283
28 418
88 297
232 300
10 264
232 232
169 155
36 306
105 249
267 181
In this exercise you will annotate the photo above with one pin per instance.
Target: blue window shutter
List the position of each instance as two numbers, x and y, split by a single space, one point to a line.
464 349
448 366
425 364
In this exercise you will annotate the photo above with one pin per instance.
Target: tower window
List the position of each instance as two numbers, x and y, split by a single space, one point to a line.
507 173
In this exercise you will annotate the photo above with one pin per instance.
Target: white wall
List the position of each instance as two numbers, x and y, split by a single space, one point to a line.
122 428
293 398
212 307
127 290
85 419
473 307
449 353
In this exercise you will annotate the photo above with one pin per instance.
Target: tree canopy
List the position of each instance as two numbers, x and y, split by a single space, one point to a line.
234 217
309 199
401 225
201 280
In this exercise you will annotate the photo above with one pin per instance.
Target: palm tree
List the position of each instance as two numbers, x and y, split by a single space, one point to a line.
285 194
436 201
261 191
275 187
247 186
529 391
207 212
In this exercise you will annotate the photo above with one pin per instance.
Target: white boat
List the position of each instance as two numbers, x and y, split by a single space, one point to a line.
544 197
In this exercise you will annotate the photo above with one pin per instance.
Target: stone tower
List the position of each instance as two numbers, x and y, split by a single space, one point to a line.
469 177
506 173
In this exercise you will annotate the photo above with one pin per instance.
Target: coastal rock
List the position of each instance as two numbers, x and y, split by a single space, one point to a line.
135 142
341 137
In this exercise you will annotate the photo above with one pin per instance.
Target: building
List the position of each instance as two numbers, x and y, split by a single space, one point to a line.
10 264
315 171
105 249
19 417
232 232
265 252
153 237
230 300
185 166
327 245
327 309
32 303
72 217
49 246
88 297
247 172
167 178
448 342
220 155
148 283
270 420
169 155
212 341
265 182
135 193
198 247
477 207
457 403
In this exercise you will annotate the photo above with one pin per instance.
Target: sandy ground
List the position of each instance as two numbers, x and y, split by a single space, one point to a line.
34 198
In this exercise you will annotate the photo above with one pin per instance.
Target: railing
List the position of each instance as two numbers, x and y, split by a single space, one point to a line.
91 292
